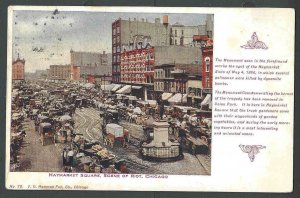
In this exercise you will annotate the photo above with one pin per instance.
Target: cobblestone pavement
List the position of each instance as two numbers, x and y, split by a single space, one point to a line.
87 122
37 158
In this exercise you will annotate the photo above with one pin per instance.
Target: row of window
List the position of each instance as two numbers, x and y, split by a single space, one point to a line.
115 68
116 30
158 86
116 49
116 40
116 58
139 75
195 91
163 73
116 78
130 66
174 32
170 87
142 56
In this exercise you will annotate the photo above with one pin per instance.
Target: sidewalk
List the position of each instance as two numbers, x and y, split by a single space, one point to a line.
38 158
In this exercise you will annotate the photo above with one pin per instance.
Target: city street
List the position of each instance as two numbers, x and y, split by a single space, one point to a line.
87 122
37 158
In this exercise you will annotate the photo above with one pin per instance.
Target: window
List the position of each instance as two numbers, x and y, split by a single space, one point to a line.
175 42
207 82
182 32
207 64
175 33
118 30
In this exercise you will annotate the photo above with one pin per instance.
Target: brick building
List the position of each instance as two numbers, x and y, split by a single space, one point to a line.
137 66
60 72
18 69
128 32
207 68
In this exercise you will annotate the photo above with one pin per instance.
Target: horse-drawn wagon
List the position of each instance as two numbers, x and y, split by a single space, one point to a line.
46 131
114 132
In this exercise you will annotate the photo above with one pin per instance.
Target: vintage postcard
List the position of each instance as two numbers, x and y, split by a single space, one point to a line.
150 99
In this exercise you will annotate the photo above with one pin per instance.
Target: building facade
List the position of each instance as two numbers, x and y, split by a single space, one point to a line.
172 66
129 32
18 69
60 72
207 68
75 73
137 66
89 63
195 91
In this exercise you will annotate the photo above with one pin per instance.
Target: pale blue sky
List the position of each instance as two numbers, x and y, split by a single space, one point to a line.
79 30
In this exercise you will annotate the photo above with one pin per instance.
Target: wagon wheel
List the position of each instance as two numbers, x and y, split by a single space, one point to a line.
95 160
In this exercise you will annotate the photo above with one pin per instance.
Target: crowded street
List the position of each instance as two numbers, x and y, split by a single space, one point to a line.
138 103
85 123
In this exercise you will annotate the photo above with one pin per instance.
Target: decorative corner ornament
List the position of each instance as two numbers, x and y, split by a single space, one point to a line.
252 150
254 43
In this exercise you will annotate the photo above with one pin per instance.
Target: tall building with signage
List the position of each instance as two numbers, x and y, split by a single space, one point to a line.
137 66
18 69
130 33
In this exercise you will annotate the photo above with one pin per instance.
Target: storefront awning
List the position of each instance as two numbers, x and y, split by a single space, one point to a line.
136 87
207 101
178 98
125 90
107 87
116 87
166 96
